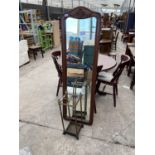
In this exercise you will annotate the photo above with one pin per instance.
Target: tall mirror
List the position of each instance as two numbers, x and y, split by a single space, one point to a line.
80 41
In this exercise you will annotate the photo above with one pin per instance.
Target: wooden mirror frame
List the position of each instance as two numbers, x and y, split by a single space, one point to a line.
81 13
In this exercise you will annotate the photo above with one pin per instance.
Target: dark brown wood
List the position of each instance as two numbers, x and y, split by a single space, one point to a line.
106 40
113 81
81 13
132 81
130 51
131 36
55 56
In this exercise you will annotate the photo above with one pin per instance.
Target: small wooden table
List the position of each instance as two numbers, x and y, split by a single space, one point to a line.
106 61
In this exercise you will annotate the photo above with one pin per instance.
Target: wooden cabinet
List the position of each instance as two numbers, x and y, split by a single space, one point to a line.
23 52
56 33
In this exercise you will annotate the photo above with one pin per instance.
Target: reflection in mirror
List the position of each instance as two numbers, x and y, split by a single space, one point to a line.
80 42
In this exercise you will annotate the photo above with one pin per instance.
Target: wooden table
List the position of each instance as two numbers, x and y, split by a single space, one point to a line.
103 60
106 61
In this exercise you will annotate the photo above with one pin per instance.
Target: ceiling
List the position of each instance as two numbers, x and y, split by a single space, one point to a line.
110 3
92 4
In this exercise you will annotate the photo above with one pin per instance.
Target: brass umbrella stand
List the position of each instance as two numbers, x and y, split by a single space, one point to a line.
71 102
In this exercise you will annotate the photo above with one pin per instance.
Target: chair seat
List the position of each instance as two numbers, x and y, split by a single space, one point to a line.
112 54
105 76
34 47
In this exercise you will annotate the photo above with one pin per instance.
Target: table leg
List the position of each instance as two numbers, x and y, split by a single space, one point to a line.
34 54
42 52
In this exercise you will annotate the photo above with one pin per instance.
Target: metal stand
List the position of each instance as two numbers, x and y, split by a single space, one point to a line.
75 116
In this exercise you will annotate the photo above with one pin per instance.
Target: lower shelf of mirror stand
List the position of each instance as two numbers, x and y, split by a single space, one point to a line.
77 114
71 129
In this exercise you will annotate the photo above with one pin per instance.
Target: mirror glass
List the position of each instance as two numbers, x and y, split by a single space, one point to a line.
80 43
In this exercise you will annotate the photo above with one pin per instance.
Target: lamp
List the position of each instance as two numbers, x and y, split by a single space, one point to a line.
104 7
116 7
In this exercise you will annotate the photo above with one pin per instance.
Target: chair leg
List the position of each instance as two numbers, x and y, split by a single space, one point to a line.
94 106
116 90
34 55
97 86
42 53
29 53
114 96
58 88
129 69
132 82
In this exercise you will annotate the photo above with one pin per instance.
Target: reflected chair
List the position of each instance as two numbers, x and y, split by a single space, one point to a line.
114 42
112 78
55 56
75 47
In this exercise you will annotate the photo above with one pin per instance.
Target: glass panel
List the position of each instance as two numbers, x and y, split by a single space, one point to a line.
80 40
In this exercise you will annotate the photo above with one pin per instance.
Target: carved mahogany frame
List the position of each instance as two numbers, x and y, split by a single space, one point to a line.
81 13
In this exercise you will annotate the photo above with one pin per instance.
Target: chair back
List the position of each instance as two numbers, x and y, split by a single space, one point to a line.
55 55
75 46
99 68
117 36
124 61
30 40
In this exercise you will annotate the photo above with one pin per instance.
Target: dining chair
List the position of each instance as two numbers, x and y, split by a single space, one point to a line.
132 80
131 65
125 37
55 56
114 40
112 78
99 68
33 48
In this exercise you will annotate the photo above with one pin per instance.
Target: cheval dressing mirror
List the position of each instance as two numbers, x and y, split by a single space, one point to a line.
80 44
